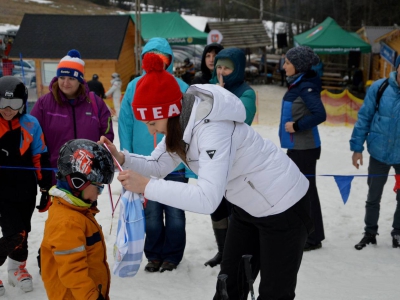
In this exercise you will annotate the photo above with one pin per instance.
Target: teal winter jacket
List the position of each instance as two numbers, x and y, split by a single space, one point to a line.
235 82
379 127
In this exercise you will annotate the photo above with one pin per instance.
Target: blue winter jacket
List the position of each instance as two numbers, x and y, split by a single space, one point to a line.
381 128
302 104
133 134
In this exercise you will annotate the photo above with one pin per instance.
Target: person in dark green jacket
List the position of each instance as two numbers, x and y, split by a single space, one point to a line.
229 71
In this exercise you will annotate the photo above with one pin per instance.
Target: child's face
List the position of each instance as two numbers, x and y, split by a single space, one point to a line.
8 113
92 191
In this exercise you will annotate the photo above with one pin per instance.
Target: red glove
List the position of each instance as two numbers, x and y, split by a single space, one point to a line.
45 202
397 184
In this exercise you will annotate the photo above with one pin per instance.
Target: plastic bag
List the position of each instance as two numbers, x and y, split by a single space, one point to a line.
128 248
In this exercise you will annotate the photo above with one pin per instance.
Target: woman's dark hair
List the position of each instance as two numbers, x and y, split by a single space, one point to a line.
56 91
173 138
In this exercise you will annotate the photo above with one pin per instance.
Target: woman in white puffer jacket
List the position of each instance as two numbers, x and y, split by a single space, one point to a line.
205 129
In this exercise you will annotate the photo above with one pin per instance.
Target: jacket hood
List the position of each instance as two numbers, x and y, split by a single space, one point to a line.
80 98
206 73
236 78
213 103
161 45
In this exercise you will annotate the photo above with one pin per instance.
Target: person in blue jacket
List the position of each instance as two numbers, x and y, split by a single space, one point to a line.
229 72
302 111
380 128
165 243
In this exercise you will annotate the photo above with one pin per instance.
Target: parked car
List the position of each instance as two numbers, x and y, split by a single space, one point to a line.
191 49
180 56
28 66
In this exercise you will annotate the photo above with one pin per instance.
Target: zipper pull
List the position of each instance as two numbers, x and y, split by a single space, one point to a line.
252 186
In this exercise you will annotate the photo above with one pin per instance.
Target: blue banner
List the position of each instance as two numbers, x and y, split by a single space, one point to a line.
388 53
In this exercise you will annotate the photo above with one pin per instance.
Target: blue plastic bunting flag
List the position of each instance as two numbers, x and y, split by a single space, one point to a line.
344 185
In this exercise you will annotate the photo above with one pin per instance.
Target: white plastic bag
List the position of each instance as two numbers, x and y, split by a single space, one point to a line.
128 248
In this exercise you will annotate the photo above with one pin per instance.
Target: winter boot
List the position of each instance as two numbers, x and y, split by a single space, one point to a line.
2 289
369 238
220 235
396 241
18 275
153 266
167 266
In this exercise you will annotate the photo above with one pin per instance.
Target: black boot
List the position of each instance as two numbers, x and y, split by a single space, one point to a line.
369 238
396 241
220 235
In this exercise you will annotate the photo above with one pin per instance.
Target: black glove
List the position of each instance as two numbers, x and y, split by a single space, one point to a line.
45 201
101 297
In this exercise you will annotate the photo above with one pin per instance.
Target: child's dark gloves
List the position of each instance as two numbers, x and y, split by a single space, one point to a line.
45 201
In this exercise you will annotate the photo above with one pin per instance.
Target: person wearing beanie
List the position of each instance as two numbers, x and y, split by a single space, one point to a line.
96 86
115 92
165 225
378 125
24 161
302 111
70 110
207 63
229 72
205 129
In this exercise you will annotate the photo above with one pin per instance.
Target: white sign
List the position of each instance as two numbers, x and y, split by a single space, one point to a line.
214 36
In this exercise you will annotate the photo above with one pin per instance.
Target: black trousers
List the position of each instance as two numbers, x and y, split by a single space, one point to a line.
276 243
223 210
15 221
306 161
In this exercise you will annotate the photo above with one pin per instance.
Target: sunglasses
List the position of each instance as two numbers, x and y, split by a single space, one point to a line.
14 104
100 187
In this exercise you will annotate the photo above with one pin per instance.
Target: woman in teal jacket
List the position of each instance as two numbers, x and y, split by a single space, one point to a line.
165 243
229 71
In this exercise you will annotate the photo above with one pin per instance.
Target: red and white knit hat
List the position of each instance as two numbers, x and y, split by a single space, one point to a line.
71 65
157 94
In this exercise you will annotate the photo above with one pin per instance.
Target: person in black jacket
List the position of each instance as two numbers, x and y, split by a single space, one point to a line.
207 63
96 86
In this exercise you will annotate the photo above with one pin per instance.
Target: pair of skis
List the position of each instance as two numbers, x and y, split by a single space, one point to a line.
221 284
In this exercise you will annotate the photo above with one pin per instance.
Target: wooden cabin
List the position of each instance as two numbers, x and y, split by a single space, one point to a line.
369 34
105 42
390 47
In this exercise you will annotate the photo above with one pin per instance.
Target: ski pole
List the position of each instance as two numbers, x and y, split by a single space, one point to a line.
247 269
221 287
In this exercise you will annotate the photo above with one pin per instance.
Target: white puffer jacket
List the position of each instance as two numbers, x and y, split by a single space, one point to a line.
228 156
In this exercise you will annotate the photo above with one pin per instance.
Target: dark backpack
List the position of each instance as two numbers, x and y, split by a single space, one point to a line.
381 89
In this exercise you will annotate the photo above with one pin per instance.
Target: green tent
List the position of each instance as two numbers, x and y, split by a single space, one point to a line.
172 27
329 38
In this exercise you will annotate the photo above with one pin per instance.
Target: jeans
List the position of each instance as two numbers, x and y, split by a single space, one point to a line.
165 241
376 184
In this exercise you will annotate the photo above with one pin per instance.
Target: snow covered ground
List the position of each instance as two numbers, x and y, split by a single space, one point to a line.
336 271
